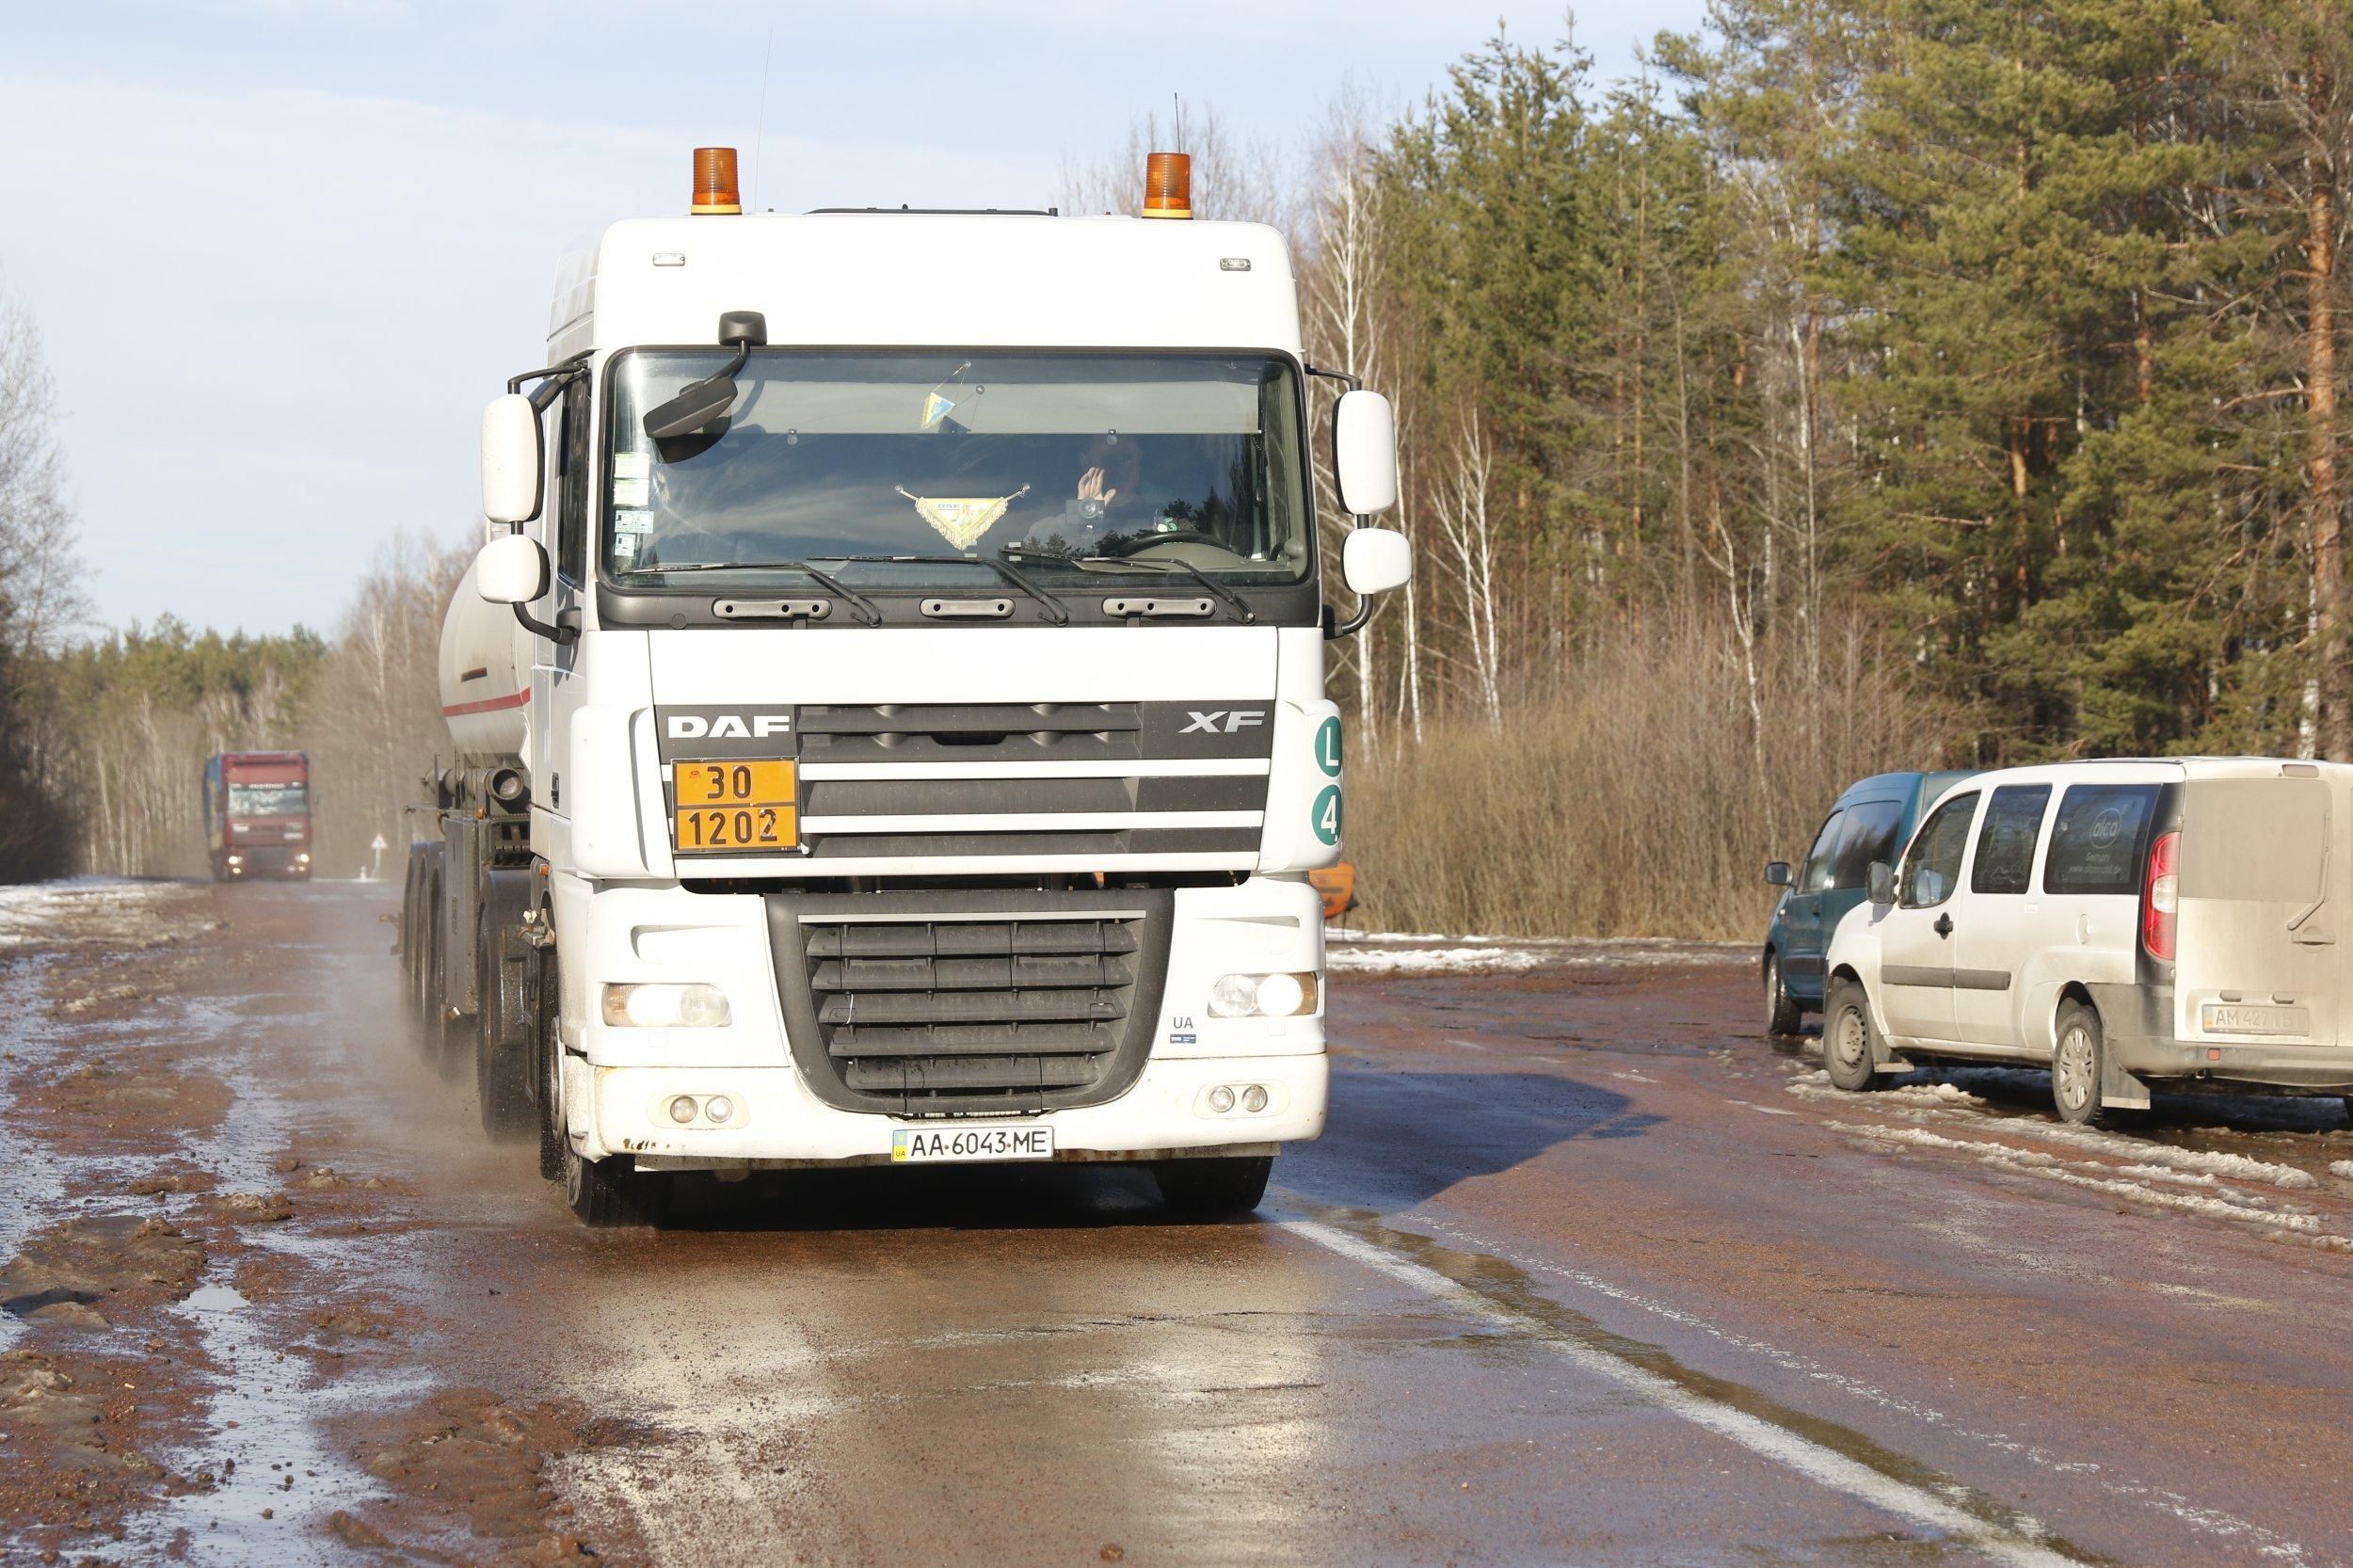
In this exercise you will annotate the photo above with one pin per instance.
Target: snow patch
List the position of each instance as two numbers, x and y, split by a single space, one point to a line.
2342 1168
85 909
2000 1156
1388 952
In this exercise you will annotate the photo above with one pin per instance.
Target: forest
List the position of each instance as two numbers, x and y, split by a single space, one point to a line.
1855 385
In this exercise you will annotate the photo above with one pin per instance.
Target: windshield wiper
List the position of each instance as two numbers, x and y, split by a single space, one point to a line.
864 608
1053 607
1232 599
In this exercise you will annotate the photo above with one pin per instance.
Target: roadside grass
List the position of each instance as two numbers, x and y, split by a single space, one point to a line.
1640 797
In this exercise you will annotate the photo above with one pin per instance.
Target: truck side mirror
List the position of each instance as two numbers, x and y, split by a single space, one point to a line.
1364 453
512 569
1883 884
511 459
1374 560
1777 874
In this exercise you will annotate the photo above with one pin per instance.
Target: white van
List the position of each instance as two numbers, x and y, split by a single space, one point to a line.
2127 923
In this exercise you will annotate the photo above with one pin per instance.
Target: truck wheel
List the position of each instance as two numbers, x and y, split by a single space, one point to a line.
502 1067
2077 1064
1850 1044
443 1037
1783 1016
607 1193
421 960
1211 1189
547 1038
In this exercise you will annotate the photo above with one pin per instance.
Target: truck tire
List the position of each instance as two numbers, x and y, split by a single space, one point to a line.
1850 1042
547 1038
2078 1060
610 1192
502 1067
444 1036
1215 1188
1783 1016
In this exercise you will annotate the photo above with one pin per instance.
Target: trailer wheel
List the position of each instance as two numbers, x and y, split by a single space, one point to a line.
502 1066
1851 1046
1216 1188
1783 1016
2077 1063
609 1193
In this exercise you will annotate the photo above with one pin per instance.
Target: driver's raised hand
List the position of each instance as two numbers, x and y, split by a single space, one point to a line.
1091 487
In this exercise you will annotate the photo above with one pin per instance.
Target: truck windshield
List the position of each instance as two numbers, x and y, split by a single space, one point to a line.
268 800
1105 463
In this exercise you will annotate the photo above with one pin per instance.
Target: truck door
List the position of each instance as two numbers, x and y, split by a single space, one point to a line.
1999 924
2262 866
1917 936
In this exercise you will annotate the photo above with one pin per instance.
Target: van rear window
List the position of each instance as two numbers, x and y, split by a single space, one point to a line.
2261 841
2100 839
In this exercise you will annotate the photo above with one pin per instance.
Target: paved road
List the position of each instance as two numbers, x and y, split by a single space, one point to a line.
1587 1272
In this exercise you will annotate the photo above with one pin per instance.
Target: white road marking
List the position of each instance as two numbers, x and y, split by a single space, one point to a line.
2208 1521
2016 1546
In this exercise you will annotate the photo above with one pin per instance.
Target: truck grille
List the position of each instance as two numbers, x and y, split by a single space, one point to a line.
970 1002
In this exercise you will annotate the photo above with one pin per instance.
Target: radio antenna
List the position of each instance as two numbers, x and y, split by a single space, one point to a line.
760 126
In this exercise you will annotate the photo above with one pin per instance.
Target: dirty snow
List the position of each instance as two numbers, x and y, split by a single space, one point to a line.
2342 1168
2250 1210
94 908
1392 952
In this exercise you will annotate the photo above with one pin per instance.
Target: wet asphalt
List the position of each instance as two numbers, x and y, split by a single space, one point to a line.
1586 1271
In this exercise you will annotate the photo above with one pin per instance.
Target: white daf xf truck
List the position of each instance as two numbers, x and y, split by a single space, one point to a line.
889 708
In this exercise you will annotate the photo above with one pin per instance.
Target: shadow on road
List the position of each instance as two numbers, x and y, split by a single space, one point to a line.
970 1197
1402 1139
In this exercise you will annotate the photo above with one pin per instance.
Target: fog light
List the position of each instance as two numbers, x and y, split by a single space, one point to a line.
666 1007
302 859
682 1110
1254 1098
719 1108
1221 1100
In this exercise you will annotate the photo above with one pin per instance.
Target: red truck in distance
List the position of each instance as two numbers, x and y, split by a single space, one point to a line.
257 815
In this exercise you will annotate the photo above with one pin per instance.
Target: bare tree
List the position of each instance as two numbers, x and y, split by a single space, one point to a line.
1466 521
1233 177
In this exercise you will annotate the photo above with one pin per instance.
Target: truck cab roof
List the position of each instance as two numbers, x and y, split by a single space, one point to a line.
871 279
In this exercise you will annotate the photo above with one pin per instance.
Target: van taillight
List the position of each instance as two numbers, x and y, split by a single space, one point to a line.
2160 896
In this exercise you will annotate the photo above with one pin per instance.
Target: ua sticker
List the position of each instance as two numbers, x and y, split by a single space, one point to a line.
1325 816
1328 746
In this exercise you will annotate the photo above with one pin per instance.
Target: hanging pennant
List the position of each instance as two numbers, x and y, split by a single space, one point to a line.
961 520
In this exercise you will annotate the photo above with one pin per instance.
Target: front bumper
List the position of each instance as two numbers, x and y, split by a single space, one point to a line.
775 1122
620 1083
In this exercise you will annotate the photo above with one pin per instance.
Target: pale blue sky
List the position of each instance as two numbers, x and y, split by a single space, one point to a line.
281 250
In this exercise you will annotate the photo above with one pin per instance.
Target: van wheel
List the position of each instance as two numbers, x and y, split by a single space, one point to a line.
2078 1065
609 1193
1851 1046
1783 1016
1214 1189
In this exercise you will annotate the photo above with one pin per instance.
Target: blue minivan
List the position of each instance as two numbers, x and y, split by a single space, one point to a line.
1872 821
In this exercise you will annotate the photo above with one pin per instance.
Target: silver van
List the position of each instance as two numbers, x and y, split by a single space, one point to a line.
2127 923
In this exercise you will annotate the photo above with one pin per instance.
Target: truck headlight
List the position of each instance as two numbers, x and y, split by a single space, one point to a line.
666 1007
1262 995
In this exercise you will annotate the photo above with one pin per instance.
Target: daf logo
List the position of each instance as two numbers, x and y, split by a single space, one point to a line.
1235 719
729 727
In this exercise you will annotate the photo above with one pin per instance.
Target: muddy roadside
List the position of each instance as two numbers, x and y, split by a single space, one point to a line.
217 1329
